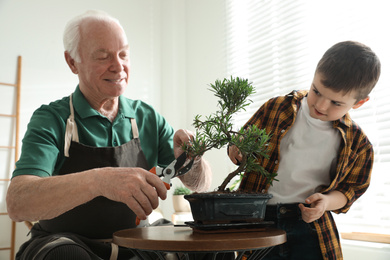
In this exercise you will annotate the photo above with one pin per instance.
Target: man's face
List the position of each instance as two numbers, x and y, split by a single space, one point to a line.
104 68
326 104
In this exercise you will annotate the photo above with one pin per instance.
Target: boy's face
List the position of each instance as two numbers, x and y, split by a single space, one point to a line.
326 104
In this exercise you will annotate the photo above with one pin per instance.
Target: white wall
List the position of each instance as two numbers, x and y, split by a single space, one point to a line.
177 49
34 30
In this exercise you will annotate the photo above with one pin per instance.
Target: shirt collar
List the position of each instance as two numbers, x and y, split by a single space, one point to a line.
81 105
297 97
84 110
125 108
346 120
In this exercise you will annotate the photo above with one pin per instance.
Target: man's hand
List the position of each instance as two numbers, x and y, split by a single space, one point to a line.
199 177
136 187
181 136
319 203
28 199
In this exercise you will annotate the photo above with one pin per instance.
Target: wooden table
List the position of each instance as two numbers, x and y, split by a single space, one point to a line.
160 239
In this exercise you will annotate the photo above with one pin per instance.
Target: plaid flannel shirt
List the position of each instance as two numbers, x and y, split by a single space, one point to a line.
352 176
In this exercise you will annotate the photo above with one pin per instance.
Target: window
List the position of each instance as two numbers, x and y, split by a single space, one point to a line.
277 44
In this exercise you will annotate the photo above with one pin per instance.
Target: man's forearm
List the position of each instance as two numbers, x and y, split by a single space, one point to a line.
34 198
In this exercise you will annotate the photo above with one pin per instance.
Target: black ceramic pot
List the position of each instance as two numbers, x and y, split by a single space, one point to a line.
208 208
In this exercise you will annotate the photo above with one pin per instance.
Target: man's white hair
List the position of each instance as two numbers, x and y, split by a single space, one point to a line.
72 30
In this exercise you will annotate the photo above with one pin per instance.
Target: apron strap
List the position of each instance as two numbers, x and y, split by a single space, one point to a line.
134 128
114 251
71 133
114 248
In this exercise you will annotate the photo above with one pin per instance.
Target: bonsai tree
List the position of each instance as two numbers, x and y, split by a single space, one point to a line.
216 130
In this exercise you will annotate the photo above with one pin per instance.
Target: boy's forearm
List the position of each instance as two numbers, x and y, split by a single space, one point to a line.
335 200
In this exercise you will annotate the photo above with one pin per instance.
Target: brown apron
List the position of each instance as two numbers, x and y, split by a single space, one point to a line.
100 217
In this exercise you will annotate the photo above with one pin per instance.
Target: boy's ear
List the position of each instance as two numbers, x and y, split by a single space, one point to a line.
361 102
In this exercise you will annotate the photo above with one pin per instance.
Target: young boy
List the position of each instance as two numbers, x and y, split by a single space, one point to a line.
322 157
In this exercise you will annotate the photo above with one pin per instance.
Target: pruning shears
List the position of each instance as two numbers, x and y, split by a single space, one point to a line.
174 169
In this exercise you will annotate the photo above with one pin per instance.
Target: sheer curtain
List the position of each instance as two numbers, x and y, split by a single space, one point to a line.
277 44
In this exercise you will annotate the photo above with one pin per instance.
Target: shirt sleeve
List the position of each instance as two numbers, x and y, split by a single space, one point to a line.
156 136
354 171
42 144
262 118
166 133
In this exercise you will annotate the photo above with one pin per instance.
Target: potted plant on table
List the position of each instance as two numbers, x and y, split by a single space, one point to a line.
216 131
179 203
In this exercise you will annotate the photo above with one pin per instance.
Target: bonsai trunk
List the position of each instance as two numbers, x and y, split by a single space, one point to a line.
231 175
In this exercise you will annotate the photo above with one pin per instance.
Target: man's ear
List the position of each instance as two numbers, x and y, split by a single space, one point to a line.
361 102
71 62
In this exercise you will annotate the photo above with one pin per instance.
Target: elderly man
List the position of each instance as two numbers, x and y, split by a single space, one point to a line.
83 172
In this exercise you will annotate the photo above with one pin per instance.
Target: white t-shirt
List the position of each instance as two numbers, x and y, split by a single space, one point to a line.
308 153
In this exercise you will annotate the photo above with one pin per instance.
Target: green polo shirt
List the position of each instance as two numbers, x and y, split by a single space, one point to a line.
43 144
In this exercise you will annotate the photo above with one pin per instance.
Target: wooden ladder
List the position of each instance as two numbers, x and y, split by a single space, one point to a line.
15 146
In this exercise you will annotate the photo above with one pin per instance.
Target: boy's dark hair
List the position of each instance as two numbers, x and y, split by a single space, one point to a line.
350 66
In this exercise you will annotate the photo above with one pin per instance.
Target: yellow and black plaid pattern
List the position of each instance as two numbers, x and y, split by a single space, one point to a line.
354 164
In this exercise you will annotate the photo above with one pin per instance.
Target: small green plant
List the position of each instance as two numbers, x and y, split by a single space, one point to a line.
181 191
216 130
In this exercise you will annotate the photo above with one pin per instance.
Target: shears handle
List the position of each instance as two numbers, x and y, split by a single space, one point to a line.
153 170
167 185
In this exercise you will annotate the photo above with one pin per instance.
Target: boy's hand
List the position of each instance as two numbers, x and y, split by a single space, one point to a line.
234 154
318 205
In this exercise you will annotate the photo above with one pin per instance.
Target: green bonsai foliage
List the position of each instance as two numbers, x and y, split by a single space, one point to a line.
182 191
216 130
